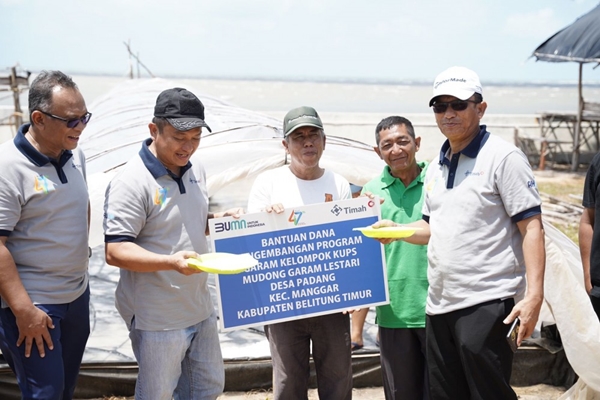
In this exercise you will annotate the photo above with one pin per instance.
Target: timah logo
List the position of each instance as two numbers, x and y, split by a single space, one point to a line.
230 226
336 210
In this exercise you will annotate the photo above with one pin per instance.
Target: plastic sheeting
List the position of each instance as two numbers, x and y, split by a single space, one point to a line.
579 42
580 391
242 144
568 304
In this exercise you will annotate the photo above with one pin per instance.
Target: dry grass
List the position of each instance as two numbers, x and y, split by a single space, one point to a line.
566 187
569 190
570 230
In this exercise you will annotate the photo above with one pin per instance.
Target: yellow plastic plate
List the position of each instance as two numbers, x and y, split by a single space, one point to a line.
223 263
387 232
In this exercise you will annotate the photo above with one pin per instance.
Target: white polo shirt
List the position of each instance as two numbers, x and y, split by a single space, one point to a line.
164 214
44 214
472 203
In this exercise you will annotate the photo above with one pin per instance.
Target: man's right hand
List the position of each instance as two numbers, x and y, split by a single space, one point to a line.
33 325
180 264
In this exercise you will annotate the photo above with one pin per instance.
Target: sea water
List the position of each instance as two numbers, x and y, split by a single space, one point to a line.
353 109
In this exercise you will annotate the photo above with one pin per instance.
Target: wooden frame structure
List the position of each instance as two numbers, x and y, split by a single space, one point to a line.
580 43
15 83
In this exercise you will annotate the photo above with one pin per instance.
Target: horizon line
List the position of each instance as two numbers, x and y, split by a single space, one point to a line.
325 79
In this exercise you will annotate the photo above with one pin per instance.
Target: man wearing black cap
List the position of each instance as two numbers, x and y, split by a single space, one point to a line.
303 182
155 218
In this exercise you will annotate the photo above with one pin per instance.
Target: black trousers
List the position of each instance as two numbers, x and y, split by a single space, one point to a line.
596 304
468 355
403 363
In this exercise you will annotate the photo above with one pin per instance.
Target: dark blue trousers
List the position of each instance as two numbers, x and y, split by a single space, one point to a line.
54 376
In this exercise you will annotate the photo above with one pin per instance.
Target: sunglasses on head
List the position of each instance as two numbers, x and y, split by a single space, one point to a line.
457 105
72 122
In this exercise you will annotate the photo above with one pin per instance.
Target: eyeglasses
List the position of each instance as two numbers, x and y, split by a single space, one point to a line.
73 122
457 105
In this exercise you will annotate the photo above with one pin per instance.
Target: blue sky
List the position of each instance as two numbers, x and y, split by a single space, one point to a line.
378 40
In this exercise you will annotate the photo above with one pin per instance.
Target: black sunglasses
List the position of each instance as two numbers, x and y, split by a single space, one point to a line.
73 122
457 105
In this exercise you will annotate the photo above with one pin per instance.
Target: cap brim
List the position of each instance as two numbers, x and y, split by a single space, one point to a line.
185 124
459 94
301 125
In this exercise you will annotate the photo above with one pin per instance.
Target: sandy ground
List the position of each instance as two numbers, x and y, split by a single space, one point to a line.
536 392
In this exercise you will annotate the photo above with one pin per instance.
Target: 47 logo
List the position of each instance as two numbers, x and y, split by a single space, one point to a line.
295 216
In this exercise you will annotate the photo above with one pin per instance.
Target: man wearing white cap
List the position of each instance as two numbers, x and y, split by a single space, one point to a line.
482 220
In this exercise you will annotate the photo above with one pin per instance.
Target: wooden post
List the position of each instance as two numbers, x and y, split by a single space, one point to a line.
575 159
14 86
543 152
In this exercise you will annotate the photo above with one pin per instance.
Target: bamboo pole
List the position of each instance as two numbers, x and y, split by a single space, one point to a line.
575 159
14 85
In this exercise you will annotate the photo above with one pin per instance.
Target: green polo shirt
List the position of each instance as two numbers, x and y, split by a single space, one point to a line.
406 263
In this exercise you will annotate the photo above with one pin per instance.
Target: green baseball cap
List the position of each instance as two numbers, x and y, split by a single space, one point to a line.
301 116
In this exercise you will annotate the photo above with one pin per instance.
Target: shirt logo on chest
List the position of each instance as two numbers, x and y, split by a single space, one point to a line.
474 173
160 196
43 184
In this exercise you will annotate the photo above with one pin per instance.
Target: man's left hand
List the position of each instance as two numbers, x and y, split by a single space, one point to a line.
528 311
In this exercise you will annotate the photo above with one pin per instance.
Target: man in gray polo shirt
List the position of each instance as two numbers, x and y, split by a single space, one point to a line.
482 220
155 218
44 214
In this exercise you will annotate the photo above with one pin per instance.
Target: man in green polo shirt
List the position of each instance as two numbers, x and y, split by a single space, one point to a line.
402 322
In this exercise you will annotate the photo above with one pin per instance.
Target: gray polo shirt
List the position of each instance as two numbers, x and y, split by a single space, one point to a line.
164 214
472 203
43 212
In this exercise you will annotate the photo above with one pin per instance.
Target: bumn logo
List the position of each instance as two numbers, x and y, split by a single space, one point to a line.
231 225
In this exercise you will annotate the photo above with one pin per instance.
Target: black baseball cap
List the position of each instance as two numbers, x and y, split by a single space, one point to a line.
181 108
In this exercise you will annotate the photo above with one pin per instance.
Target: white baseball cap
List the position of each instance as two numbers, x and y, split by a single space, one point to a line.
459 82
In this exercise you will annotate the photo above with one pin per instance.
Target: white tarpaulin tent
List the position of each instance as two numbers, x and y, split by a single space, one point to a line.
242 144
567 303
